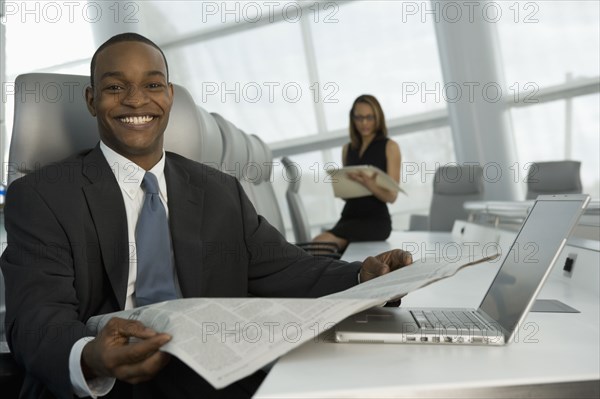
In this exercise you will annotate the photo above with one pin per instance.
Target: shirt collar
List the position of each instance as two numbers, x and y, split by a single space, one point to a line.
129 175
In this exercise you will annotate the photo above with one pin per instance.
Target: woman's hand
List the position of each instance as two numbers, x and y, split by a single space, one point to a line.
369 181
365 179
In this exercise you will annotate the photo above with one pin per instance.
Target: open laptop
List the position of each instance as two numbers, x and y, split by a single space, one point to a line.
508 299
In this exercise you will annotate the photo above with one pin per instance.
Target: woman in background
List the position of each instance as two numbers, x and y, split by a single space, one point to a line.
366 218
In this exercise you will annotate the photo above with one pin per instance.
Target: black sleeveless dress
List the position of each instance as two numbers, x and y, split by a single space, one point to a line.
365 218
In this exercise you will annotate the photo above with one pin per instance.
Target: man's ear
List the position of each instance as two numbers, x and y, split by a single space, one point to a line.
89 100
171 91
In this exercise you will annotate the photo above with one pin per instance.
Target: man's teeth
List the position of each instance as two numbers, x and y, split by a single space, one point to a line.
136 120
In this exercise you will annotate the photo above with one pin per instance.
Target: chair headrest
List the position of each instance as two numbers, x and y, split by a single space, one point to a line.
52 122
458 180
555 177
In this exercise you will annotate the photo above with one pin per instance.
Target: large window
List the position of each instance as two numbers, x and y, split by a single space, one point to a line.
290 70
585 141
174 20
545 133
553 43
543 41
370 49
231 76
43 35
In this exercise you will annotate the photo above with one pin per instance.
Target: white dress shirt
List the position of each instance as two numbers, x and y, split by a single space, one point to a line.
129 177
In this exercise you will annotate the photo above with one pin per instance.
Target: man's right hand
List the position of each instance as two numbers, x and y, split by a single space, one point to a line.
111 354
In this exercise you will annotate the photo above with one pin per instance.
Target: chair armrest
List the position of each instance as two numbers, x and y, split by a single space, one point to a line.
328 249
11 376
319 244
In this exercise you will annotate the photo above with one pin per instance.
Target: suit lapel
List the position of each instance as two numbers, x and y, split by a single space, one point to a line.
186 202
105 202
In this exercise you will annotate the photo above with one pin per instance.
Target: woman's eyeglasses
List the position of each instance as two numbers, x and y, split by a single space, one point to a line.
360 118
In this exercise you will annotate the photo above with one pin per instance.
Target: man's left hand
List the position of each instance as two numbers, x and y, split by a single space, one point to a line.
375 266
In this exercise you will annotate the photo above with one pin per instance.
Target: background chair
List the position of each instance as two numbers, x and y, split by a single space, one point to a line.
453 185
556 177
298 215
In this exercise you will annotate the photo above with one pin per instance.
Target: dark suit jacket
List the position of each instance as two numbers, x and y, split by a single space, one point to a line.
67 255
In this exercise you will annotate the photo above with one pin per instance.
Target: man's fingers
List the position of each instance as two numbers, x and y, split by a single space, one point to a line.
399 259
384 263
371 268
139 351
106 360
396 258
113 348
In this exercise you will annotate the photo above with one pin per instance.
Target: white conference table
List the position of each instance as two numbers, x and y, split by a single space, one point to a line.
554 354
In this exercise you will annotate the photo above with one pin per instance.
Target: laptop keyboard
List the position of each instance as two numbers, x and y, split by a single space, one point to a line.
433 319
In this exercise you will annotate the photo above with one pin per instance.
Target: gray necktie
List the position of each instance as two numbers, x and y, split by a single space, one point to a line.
154 281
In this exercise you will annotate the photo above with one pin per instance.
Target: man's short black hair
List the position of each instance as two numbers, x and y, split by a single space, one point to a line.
125 37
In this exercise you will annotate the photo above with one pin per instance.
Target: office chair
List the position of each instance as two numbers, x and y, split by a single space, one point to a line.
298 215
555 177
453 185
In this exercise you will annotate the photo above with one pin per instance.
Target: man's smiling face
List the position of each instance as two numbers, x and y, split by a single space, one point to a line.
131 99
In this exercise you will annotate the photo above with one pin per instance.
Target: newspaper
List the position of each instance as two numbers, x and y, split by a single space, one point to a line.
226 339
345 187
421 273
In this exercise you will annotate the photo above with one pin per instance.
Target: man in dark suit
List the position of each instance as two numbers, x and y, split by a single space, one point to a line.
71 245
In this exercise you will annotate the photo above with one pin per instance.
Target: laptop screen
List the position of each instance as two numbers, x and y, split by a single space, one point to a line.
529 257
